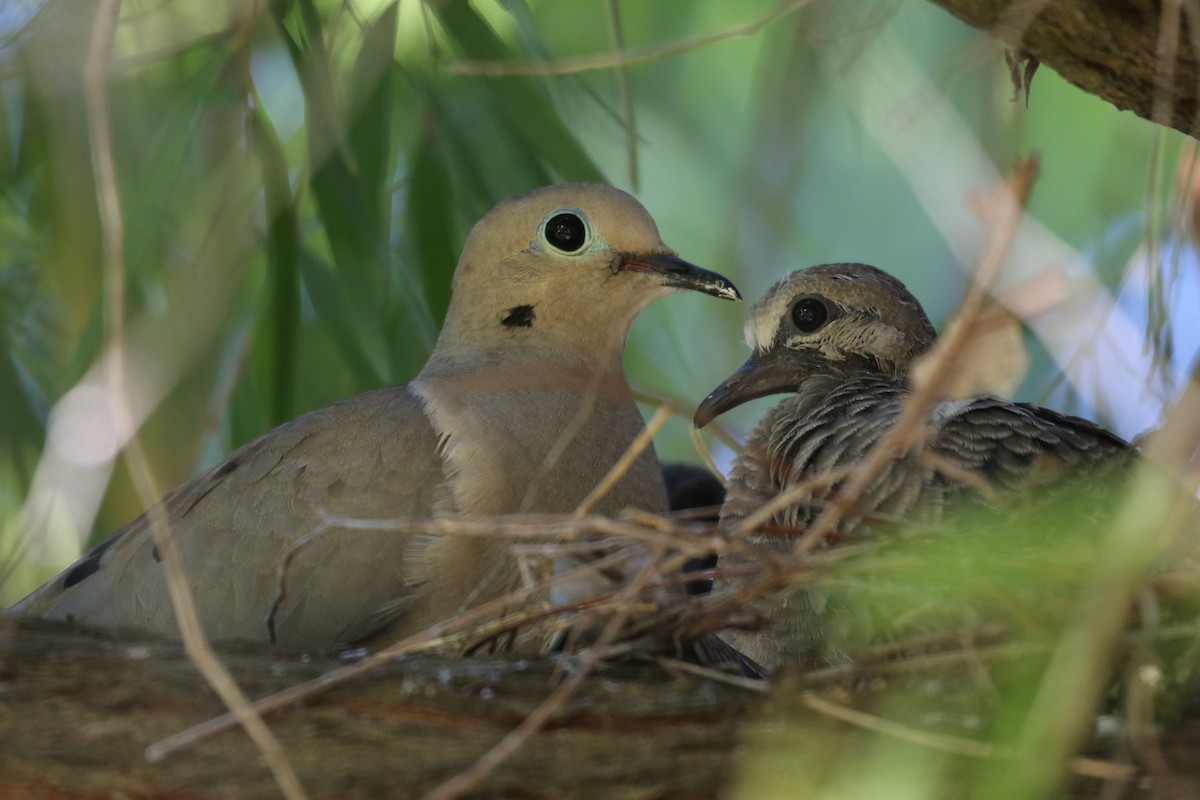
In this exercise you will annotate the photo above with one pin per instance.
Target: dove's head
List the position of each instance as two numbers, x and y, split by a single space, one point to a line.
562 272
832 317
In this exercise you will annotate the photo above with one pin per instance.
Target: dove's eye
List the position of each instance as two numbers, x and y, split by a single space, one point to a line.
566 231
810 314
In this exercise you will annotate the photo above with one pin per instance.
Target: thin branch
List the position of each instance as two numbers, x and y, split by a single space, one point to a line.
535 721
96 80
685 410
583 414
616 59
631 454
957 745
433 636
624 93
754 685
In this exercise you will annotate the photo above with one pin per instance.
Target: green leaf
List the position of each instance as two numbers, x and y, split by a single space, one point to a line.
370 107
279 329
522 103
327 297
430 220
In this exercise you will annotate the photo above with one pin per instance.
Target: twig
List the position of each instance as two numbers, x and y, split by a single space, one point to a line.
765 512
659 398
1088 767
113 230
702 450
555 527
1153 514
737 681
631 454
433 636
535 721
624 93
587 407
915 664
614 59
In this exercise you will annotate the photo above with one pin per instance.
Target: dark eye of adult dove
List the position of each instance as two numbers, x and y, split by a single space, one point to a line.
566 232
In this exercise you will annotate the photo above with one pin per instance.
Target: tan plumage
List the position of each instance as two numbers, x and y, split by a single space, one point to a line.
523 406
842 337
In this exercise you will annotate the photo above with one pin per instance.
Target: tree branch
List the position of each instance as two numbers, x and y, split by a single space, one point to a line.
1139 55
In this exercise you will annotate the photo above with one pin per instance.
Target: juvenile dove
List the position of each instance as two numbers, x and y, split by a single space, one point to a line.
523 406
841 338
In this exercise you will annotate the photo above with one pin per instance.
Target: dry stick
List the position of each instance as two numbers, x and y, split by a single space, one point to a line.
554 527
737 681
535 721
113 231
800 491
1088 767
610 60
432 634
631 454
430 637
557 527
1154 512
921 663
878 662
702 450
784 572
658 398
565 436
624 93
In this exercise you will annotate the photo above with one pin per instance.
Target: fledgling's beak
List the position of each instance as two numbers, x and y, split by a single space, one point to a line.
680 274
763 374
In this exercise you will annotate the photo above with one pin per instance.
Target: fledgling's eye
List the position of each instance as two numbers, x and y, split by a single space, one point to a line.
810 314
566 231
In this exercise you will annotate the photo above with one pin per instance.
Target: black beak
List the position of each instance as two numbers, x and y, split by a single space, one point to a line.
679 274
761 375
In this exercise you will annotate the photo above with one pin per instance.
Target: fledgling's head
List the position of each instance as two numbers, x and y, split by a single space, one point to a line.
842 317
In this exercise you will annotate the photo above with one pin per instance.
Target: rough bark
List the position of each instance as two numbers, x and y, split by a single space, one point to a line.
77 711
1115 49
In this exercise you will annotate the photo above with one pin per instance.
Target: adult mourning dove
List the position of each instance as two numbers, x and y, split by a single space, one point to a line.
842 338
523 406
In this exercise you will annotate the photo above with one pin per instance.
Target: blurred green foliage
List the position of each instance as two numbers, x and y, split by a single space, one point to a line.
297 177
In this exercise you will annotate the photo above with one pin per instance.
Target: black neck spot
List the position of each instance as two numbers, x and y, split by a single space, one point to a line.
518 317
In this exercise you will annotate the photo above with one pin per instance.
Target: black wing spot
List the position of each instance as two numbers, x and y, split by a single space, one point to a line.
157 555
88 565
518 317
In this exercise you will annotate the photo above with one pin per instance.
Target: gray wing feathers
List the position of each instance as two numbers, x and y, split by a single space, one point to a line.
1006 444
248 511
